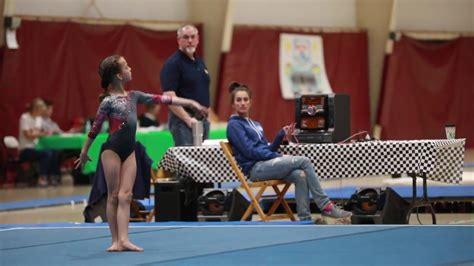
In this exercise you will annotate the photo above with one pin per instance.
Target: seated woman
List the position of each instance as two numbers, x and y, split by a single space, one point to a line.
260 161
31 124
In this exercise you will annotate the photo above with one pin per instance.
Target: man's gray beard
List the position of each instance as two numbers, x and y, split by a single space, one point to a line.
190 50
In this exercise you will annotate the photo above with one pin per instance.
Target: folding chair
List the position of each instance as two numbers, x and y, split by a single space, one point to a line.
255 198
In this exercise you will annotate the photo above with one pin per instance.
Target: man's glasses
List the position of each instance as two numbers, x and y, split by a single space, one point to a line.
192 37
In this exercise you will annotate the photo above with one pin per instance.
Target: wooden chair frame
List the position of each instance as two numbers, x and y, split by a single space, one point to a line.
263 185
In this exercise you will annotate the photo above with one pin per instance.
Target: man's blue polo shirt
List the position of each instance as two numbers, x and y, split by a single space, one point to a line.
187 78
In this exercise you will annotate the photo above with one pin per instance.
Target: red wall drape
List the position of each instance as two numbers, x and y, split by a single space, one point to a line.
59 61
254 60
426 86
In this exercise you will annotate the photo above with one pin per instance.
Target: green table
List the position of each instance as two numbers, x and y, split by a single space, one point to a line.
156 143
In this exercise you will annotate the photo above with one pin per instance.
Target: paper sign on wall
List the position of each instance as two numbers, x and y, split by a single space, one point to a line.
302 69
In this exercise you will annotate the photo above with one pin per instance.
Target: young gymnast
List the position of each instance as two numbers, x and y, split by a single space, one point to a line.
119 107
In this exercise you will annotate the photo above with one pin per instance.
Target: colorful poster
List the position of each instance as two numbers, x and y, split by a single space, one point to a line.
302 68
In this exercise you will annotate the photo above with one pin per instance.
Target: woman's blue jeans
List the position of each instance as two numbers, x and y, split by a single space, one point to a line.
298 170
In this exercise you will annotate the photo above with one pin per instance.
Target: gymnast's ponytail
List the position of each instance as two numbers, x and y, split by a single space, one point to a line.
108 69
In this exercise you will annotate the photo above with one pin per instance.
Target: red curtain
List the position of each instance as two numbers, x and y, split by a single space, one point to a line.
59 61
254 60
428 85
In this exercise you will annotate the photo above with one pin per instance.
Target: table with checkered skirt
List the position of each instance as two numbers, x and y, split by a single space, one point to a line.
440 160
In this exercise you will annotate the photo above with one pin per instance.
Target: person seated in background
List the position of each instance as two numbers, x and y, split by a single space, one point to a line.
260 160
66 157
30 130
150 117
49 126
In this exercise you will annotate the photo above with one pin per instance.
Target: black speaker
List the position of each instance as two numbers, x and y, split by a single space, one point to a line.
238 207
339 116
391 208
396 208
367 201
170 203
214 202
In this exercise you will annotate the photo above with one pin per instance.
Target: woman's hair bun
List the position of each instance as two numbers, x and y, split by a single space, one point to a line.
234 85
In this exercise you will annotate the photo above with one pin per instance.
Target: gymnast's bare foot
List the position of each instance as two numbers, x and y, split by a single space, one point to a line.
128 246
114 248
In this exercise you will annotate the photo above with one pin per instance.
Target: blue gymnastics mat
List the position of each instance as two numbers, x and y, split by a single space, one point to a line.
242 245
38 203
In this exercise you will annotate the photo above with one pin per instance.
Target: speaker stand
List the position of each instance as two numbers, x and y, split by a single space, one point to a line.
423 202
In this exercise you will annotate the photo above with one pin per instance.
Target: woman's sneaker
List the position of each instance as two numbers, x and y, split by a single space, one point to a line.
336 213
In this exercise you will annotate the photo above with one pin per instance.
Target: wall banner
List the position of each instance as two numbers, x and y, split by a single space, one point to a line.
302 68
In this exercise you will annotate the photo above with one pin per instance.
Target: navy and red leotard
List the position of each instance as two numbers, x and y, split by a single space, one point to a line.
121 112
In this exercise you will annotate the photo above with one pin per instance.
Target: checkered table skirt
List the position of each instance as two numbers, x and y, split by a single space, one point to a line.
440 160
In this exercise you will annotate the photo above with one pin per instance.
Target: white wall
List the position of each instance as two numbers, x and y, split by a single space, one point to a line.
164 10
434 15
428 15
422 15
319 13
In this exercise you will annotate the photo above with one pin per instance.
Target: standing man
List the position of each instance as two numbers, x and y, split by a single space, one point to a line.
185 75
